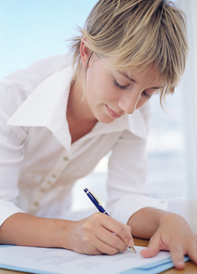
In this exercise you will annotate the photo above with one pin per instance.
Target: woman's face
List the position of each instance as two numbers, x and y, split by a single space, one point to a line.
111 94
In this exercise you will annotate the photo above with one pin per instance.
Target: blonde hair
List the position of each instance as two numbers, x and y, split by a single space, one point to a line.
135 34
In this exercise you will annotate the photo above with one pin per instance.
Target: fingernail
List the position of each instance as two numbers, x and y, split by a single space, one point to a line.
180 263
131 243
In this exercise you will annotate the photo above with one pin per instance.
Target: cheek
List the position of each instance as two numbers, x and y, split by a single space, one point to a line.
94 80
99 86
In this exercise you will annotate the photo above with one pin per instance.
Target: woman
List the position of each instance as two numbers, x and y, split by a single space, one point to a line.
58 122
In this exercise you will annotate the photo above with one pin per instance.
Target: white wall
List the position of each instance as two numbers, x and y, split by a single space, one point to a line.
188 88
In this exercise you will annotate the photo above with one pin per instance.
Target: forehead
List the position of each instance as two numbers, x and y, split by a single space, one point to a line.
148 74
145 73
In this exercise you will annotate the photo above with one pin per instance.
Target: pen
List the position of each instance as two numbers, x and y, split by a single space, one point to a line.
100 208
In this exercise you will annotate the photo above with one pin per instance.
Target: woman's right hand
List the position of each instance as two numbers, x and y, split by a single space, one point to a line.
98 234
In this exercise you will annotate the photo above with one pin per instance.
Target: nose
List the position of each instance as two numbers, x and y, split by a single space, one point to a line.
128 102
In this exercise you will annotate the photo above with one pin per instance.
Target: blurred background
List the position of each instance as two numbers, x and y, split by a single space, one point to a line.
32 30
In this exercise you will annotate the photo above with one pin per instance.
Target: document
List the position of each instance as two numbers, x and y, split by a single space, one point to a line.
62 261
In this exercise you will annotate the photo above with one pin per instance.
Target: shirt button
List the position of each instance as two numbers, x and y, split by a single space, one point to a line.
36 203
65 158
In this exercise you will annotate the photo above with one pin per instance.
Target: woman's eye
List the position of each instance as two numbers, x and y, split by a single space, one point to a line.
118 85
143 94
146 95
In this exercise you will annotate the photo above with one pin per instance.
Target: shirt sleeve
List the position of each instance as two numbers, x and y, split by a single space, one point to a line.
127 173
12 140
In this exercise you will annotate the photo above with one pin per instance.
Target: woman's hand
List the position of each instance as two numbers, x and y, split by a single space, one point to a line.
96 234
99 234
174 234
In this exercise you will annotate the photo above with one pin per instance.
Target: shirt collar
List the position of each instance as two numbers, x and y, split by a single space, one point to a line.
46 107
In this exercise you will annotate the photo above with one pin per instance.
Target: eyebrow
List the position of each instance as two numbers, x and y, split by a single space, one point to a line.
132 80
127 76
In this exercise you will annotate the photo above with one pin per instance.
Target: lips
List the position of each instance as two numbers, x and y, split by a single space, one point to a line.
112 113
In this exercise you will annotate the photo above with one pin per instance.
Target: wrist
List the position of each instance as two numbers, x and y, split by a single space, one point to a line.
170 217
60 234
145 222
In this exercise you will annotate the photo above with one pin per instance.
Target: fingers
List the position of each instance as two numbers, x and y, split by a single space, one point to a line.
176 251
121 230
94 245
106 248
181 246
152 249
112 240
155 245
191 248
177 255
105 234
149 252
178 247
102 239
193 251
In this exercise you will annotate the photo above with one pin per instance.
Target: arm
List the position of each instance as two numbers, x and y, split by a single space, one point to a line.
128 197
92 235
28 230
167 231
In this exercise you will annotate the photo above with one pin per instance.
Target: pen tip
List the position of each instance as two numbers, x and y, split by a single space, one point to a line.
133 249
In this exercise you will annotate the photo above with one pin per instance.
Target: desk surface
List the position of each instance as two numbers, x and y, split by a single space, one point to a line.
189 269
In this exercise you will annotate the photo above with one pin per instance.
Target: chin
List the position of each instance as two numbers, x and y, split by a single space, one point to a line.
102 116
105 120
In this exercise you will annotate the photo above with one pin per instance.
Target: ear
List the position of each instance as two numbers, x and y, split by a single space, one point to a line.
85 52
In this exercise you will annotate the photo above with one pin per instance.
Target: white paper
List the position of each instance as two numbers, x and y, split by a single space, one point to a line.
65 261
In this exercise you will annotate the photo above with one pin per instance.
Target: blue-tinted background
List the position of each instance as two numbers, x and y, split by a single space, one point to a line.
34 29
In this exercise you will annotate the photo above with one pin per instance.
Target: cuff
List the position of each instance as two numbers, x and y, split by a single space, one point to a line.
7 209
124 208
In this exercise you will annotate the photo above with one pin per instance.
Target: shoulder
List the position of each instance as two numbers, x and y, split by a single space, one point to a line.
16 87
30 77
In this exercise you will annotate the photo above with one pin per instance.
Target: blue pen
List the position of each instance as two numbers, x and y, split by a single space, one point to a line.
98 205
95 201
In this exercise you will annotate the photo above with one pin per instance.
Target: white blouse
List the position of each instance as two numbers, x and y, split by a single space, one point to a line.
38 163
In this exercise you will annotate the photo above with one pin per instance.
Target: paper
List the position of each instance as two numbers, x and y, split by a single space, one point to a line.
61 261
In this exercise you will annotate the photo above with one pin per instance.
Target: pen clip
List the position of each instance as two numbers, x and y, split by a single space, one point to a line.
89 191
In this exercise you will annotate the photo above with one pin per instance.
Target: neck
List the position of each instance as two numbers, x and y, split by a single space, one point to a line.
78 107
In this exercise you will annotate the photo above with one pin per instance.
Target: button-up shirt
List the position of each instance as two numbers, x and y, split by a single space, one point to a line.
38 163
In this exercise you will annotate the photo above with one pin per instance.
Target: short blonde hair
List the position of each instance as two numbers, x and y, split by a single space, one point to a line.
135 34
